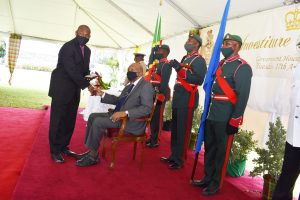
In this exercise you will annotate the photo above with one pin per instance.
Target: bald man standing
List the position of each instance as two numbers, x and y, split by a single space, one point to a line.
67 80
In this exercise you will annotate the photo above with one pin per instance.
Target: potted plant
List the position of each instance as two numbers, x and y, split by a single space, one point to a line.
167 116
269 161
195 126
242 145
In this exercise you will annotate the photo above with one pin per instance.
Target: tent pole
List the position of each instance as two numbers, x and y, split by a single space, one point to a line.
116 32
12 15
75 17
83 10
92 17
102 29
183 13
129 16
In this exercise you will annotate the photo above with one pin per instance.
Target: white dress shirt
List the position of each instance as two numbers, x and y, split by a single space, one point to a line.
293 130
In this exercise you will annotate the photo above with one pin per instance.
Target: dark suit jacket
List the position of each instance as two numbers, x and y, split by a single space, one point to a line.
138 103
68 78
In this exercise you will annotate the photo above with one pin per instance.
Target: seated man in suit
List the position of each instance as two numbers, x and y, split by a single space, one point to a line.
136 100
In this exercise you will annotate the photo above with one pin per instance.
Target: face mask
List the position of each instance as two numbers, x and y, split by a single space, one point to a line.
189 47
82 40
158 56
131 76
226 52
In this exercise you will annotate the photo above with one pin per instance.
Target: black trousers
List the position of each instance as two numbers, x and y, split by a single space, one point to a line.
178 131
289 173
155 122
215 143
62 123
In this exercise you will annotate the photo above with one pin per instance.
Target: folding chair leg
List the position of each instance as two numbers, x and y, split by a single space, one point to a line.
134 150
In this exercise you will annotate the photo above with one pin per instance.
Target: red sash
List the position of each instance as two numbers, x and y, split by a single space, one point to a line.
225 87
192 89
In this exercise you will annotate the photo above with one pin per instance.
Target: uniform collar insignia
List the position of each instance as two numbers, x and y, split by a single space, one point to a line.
192 54
233 58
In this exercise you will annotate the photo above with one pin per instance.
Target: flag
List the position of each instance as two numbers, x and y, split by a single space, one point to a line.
157 32
156 39
212 68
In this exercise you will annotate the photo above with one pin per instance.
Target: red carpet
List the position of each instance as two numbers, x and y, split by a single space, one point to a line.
44 179
19 127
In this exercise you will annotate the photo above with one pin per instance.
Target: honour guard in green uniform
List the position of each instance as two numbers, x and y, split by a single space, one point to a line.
190 74
159 75
229 96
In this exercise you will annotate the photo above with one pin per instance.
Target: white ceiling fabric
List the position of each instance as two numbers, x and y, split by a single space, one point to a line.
117 23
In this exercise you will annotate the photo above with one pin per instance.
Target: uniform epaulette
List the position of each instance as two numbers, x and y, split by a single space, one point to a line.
242 61
199 55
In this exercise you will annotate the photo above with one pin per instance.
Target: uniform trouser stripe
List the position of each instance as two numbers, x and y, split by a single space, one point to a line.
229 142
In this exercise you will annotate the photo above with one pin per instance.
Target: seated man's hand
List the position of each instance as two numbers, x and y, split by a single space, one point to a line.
117 115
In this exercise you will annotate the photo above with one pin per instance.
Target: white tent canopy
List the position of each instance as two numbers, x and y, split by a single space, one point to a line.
117 23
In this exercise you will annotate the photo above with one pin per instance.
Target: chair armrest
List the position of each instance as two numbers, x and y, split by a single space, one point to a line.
123 121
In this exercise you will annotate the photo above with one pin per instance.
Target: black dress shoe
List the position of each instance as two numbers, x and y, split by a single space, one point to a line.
150 145
57 158
166 160
200 183
87 160
175 166
68 152
81 155
210 191
148 141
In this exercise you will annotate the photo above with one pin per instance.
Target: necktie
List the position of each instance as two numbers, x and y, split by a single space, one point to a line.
122 99
82 50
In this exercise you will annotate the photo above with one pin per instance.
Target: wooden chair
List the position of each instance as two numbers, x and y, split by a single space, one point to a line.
119 135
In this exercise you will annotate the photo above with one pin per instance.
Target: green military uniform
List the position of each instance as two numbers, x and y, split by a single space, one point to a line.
194 76
222 112
164 70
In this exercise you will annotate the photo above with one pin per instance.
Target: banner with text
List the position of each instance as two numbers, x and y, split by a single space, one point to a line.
269 46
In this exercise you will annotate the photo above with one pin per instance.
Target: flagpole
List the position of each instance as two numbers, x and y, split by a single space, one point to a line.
213 65
194 167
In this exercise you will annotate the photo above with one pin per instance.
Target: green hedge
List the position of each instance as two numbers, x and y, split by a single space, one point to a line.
37 68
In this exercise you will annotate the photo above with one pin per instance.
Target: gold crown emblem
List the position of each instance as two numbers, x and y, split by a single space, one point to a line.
292 20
